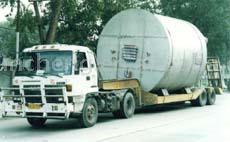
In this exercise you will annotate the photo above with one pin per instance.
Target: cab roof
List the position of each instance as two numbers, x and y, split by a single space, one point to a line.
56 47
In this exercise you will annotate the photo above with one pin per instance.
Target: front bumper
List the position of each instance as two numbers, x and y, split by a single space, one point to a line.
39 105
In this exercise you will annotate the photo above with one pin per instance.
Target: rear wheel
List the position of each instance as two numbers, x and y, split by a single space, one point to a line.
36 122
89 114
127 108
201 100
211 98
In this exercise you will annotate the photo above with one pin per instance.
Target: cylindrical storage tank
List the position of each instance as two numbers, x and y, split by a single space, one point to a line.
161 52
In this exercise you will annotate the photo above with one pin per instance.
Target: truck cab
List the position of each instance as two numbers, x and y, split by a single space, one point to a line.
51 81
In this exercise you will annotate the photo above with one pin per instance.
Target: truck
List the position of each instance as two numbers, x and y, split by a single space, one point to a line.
143 59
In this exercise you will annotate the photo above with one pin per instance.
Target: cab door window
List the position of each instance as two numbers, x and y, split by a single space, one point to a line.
82 62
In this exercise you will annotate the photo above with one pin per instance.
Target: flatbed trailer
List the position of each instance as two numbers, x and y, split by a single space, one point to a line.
148 99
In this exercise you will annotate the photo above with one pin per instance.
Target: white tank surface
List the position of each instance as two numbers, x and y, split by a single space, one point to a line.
161 52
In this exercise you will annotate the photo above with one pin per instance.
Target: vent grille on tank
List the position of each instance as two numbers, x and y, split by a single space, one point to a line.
129 53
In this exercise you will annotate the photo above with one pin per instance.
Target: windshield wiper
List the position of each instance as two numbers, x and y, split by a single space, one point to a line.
24 74
55 75
42 76
30 77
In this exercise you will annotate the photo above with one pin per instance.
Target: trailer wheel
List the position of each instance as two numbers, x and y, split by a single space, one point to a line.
211 98
201 100
127 108
36 122
89 115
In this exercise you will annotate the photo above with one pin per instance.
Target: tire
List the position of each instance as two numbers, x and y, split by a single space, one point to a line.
127 108
89 115
201 100
37 122
211 98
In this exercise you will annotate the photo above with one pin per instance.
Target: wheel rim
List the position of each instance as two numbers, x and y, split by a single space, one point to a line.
129 105
91 113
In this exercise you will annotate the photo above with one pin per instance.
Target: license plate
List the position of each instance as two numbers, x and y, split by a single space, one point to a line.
34 106
16 107
19 107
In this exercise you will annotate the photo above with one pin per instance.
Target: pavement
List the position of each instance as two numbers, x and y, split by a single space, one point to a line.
182 123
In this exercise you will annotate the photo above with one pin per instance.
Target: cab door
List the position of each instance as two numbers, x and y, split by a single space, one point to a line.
84 73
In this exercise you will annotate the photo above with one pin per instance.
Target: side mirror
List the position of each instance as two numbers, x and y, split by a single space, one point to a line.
77 65
1 59
76 72
42 64
77 69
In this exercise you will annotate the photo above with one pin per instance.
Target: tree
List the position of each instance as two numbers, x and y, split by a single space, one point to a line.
81 21
210 16
8 38
53 13
76 22
39 23
54 18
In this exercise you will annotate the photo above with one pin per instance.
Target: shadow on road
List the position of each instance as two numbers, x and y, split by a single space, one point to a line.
73 124
164 108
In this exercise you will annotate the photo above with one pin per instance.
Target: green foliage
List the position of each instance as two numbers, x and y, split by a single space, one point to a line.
210 16
7 39
27 21
4 3
81 21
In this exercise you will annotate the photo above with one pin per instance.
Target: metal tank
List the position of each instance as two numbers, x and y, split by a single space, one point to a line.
161 52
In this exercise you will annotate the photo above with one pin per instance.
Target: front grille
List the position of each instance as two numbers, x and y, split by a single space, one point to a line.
33 93
32 86
16 92
51 92
32 90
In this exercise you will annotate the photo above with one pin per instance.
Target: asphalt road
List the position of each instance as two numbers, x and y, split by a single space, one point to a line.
165 124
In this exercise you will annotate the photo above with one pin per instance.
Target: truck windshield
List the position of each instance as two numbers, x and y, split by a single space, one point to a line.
45 63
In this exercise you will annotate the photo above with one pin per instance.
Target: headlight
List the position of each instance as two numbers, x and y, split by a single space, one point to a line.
60 99
69 88
17 99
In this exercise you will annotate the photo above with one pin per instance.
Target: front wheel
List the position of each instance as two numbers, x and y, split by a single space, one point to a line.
89 114
127 108
36 122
